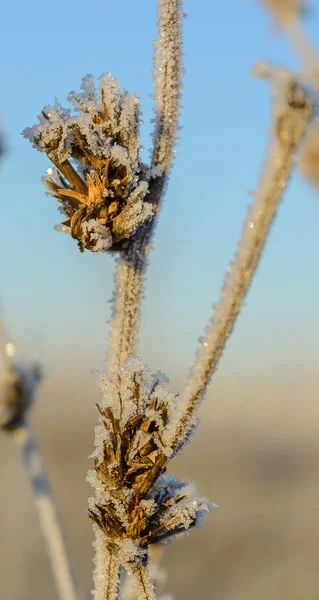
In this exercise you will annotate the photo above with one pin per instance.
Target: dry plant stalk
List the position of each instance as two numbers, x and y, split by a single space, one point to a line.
110 201
293 28
47 512
18 384
293 108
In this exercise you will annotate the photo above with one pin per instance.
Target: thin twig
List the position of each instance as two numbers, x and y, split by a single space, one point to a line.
142 583
47 512
126 308
292 112
167 80
107 570
132 265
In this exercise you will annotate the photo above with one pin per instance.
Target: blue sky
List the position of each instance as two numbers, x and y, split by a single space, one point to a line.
56 299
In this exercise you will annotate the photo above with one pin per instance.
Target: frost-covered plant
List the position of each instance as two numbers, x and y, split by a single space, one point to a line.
99 177
136 504
110 200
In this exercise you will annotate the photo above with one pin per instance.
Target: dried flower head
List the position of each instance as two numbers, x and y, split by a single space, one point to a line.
18 385
136 502
309 158
99 177
286 11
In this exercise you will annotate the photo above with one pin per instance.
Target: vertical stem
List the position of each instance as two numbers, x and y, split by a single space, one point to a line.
168 70
47 512
107 570
130 274
142 583
127 304
131 267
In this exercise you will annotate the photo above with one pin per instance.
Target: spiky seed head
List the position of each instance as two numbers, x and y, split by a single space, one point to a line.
136 502
98 175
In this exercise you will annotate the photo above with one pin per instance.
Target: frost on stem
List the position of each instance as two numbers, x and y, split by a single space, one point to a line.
168 70
98 175
156 573
132 265
293 108
126 303
136 503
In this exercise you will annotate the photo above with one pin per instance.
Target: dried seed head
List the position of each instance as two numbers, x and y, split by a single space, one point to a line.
309 158
98 176
135 501
18 385
286 11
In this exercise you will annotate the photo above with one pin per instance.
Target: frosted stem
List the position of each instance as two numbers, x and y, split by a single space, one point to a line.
142 583
107 570
47 512
131 266
126 308
156 573
292 113
168 71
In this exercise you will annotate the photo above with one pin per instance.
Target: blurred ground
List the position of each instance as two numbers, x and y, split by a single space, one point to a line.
256 454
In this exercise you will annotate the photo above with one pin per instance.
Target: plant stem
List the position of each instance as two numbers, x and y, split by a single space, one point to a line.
142 583
131 267
126 308
289 127
107 570
168 70
47 512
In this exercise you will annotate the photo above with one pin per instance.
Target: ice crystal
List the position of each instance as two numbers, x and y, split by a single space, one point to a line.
136 502
99 175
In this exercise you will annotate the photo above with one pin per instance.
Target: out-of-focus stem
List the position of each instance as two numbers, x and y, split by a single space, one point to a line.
47 512
306 50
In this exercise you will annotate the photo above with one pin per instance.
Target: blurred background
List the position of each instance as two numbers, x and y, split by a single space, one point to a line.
256 452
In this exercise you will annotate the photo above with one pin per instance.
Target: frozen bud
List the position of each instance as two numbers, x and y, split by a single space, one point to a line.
309 159
286 11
